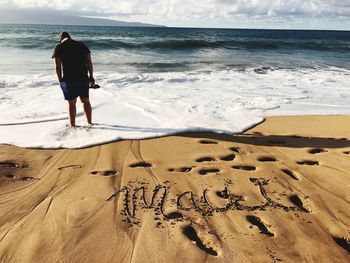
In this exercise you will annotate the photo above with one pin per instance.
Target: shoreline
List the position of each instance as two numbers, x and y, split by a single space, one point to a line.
193 133
278 191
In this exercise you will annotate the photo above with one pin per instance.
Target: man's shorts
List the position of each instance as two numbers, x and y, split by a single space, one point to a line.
73 89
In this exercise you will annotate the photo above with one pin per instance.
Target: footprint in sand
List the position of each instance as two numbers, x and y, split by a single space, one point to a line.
346 152
223 194
12 165
208 171
174 216
228 158
192 235
290 174
267 159
207 142
181 169
27 178
236 149
206 159
308 162
105 173
8 164
244 167
21 178
343 242
298 203
317 150
140 165
10 176
256 221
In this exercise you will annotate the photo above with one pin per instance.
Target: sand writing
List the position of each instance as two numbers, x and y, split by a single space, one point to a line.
135 198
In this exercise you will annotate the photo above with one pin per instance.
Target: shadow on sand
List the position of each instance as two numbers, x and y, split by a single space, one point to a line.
290 141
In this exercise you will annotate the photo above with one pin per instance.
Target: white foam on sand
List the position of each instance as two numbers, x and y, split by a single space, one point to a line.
134 106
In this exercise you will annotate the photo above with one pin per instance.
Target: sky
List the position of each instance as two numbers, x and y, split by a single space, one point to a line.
284 14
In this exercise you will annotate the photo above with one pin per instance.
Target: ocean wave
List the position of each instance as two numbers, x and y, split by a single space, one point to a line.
176 39
183 44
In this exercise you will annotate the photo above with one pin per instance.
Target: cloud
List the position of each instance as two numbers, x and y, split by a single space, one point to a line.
180 12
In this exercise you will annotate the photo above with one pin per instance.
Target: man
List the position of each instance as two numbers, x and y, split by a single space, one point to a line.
75 58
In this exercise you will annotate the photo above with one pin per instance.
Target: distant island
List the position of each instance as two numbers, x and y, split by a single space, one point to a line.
24 16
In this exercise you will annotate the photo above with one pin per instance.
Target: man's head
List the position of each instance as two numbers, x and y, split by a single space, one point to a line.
63 35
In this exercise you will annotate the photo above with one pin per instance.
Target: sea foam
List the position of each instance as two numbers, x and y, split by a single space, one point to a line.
143 105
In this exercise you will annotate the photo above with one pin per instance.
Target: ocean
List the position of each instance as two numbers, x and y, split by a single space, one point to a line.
161 81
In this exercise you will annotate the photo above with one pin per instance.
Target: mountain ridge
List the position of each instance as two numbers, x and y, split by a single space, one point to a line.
47 18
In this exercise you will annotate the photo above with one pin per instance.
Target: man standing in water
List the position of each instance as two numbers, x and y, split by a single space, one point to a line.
75 58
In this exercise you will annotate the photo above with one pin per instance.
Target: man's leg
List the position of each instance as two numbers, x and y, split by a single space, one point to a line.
72 111
87 109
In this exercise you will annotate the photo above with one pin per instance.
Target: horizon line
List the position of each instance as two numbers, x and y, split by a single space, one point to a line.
178 27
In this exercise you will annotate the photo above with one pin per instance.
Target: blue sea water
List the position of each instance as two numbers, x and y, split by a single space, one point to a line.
128 49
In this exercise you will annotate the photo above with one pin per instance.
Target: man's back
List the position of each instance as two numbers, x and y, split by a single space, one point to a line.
73 56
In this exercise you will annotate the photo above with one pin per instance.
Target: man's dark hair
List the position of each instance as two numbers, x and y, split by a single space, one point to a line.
63 35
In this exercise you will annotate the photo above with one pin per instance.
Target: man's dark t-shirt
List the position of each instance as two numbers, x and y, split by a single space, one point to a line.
73 56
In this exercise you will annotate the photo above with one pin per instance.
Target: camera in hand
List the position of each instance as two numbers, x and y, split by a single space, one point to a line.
94 86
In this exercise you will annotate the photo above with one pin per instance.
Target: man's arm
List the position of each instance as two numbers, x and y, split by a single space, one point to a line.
90 68
58 67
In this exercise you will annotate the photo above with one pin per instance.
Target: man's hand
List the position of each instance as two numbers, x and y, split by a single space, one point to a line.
58 67
90 69
92 80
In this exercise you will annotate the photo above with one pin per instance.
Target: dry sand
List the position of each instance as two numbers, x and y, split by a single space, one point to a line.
279 192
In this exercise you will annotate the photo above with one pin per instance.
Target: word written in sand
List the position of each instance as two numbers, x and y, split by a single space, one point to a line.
135 198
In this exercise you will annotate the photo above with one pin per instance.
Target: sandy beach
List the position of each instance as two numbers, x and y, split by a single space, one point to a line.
277 193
